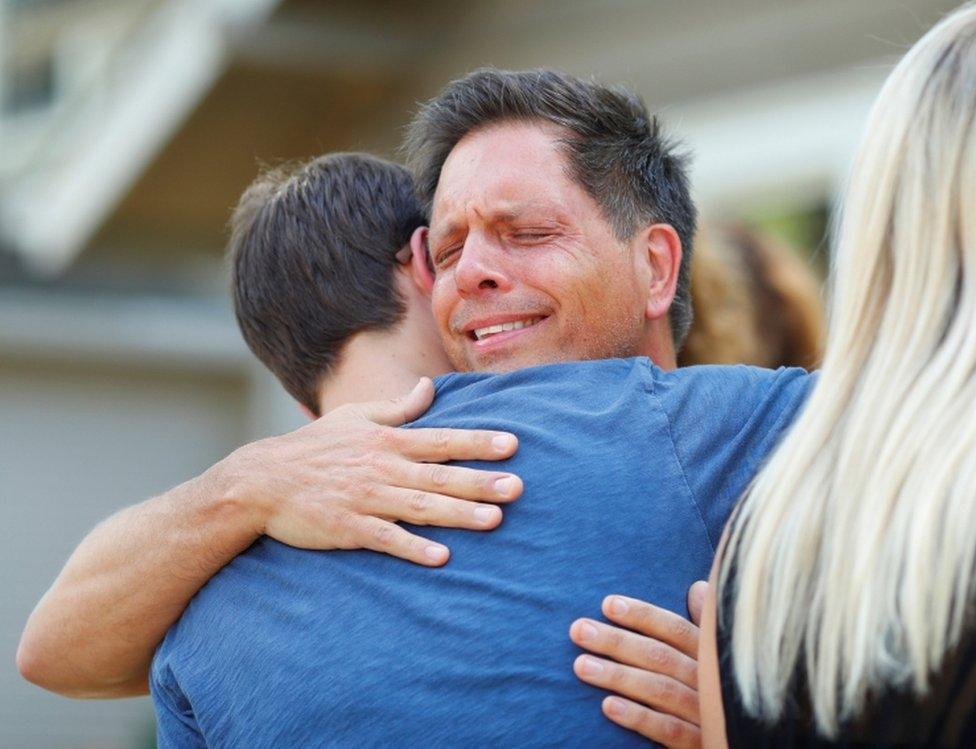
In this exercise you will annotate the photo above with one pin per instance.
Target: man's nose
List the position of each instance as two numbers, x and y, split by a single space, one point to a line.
480 268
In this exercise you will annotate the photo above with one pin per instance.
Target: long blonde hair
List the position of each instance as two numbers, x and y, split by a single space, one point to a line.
854 548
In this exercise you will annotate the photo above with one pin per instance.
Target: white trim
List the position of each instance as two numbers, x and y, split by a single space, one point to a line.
786 143
100 150
163 334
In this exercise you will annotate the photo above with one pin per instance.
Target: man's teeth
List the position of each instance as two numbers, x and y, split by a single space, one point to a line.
482 333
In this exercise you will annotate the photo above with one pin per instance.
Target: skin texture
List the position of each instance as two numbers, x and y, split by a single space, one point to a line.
514 237
648 658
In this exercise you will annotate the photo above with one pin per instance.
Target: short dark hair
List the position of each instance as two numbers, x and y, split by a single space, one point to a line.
313 252
616 152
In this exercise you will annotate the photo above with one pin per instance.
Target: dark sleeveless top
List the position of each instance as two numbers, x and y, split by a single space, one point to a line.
896 717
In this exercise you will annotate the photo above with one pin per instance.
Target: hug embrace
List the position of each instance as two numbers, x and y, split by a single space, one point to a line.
493 329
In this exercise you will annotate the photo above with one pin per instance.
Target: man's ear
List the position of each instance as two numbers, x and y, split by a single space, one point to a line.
660 246
420 270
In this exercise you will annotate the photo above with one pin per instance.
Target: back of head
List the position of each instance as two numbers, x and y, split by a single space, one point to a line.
865 513
616 151
313 250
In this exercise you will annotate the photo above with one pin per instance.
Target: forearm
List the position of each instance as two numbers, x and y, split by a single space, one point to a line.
94 632
340 482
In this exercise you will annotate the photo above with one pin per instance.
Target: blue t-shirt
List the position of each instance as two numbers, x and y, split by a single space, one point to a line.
630 473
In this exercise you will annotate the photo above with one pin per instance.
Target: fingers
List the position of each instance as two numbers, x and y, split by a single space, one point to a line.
654 690
672 732
460 482
635 650
439 445
397 411
653 621
430 508
386 537
696 600
431 445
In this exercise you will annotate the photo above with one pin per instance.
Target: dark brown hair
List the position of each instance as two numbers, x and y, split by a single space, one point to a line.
616 151
313 252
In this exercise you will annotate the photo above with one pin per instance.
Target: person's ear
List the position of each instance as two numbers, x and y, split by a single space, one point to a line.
307 411
660 247
421 271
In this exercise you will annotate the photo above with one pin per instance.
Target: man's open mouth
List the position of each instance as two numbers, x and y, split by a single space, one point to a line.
480 334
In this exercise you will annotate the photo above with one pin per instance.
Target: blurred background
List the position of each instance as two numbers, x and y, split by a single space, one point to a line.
128 129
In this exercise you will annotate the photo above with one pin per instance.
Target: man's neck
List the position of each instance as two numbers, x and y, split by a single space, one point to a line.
377 366
658 345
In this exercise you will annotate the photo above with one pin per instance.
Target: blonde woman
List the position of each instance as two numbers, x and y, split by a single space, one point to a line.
844 612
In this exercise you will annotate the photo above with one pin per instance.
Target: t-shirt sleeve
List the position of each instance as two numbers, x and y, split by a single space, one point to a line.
176 726
725 421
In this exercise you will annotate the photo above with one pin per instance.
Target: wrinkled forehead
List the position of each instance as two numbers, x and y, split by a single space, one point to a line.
500 212
502 170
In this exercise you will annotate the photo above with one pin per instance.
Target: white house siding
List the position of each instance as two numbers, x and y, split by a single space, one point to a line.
76 444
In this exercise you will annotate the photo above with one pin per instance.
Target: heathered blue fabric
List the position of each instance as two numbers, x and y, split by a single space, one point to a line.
630 473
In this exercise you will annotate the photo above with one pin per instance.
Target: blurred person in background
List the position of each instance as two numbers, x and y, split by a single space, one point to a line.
842 604
755 300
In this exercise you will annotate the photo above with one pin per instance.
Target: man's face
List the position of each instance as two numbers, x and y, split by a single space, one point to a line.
527 269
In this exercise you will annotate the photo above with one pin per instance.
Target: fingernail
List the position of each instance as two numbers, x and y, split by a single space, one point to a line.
504 486
587 632
502 443
485 514
435 553
618 606
615 707
590 666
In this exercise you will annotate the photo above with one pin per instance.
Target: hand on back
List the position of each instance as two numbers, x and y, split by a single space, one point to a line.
650 664
343 481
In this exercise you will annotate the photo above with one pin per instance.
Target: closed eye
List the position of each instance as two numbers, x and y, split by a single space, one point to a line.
532 236
443 256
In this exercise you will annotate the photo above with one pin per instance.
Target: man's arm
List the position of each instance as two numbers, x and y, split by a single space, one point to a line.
337 483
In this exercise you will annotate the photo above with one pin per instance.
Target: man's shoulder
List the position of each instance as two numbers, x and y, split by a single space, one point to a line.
223 604
735 411
608 386
738 387
730 375
579 386
556 374
260 602
724 421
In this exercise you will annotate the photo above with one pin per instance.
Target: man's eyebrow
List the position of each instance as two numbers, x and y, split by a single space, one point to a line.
444 230
513 211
